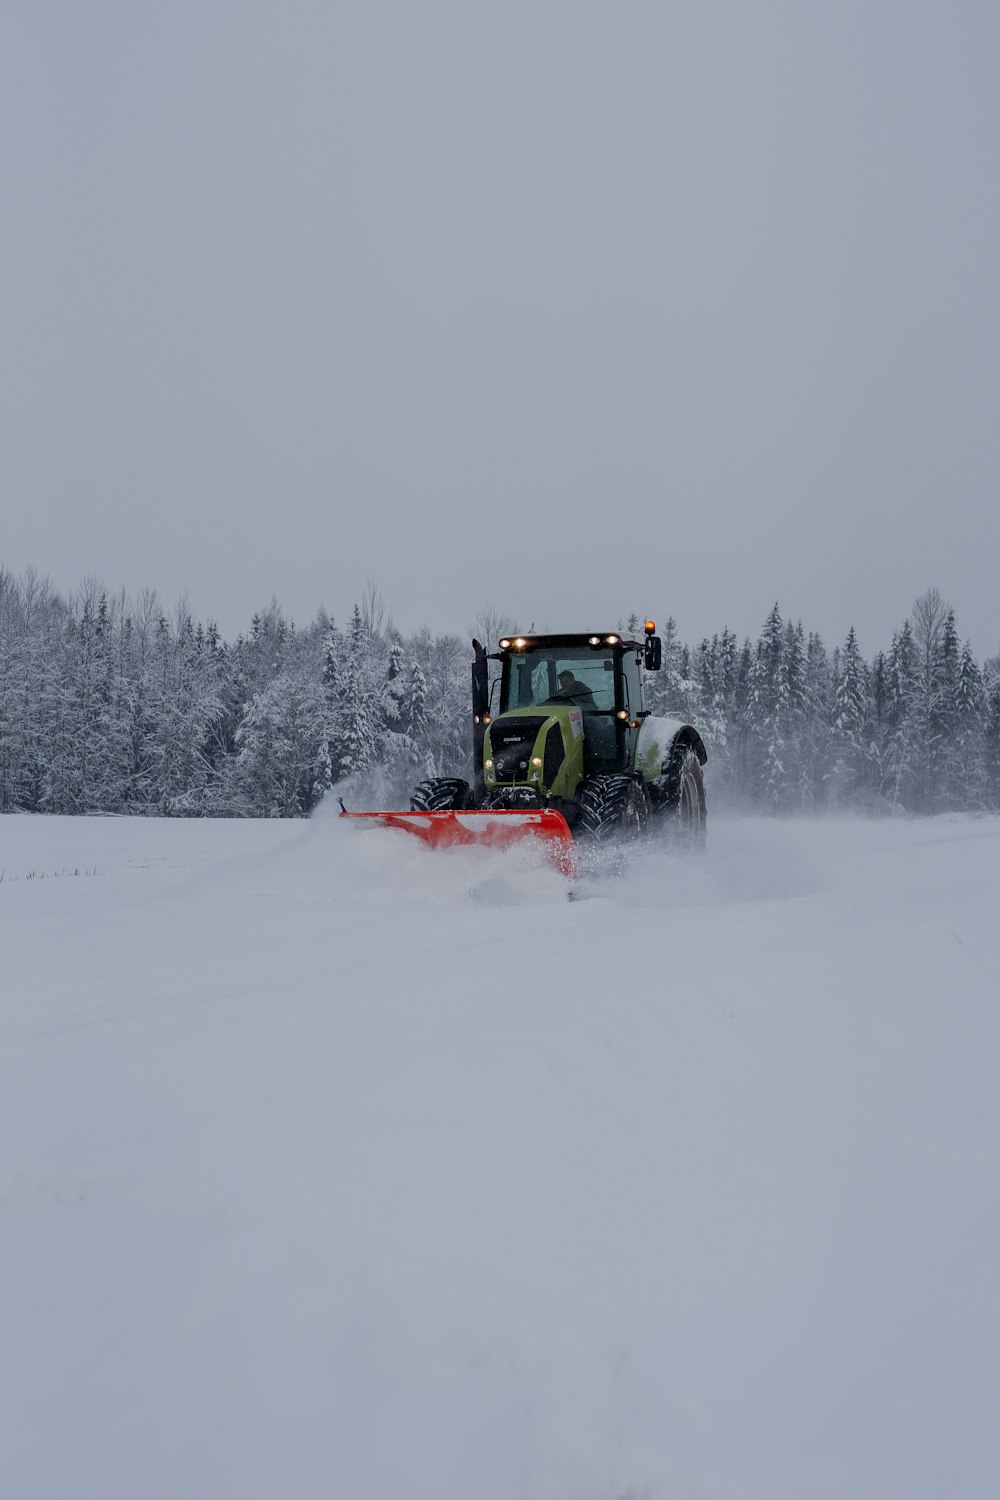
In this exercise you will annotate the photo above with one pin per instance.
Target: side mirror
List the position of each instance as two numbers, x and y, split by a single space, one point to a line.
654 653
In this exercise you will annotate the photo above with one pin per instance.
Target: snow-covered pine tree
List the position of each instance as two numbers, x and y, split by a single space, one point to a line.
356 725
775 786
331 653
969 734
766 710
991 744
686 687
850 776
794 724
724 716
332 648
11 690
741 736
261 753
394 698
282 746
19 683
878 690
323 781
817 715
710 666
448 705
114 748
416 719
927 620
899 749
397 747
949 770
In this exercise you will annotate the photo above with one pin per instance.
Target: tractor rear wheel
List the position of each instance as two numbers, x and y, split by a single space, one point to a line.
441 794
612 809
681 799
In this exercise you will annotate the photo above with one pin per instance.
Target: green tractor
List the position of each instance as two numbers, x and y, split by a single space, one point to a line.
571 739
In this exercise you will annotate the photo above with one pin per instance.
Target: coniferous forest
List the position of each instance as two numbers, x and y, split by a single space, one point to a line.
110 704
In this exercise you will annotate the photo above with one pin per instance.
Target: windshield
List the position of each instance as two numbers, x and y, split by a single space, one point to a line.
578 676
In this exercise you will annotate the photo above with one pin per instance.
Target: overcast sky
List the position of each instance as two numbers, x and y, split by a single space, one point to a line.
569 307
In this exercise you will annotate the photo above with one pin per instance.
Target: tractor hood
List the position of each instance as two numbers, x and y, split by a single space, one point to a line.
539 747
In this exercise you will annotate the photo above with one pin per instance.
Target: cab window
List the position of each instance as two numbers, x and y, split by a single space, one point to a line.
534 678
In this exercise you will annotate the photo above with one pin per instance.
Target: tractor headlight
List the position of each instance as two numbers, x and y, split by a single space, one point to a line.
489 765
536 760
612 640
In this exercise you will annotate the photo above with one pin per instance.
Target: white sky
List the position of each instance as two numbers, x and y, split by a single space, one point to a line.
569 307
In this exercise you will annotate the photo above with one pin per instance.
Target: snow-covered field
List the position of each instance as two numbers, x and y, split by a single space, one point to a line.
330 1167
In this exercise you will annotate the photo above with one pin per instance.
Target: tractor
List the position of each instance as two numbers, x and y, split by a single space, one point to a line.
571 754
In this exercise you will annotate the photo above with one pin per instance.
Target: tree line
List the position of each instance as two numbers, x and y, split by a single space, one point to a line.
108 704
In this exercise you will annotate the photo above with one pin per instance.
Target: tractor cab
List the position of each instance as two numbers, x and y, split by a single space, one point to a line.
570 706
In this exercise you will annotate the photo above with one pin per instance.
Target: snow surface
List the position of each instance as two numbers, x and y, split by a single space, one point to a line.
334 1166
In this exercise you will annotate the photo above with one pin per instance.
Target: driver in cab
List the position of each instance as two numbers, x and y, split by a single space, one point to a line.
572 690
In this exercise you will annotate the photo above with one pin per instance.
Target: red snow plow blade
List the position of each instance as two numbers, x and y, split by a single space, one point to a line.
494 830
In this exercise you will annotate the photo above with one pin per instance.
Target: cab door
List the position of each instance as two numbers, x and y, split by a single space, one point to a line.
630 688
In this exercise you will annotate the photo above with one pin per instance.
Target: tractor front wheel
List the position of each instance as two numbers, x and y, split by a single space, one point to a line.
612 809
441 794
